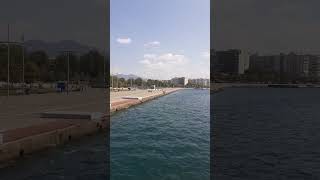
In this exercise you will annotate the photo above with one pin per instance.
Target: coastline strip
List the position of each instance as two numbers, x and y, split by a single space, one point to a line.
126 103
19 141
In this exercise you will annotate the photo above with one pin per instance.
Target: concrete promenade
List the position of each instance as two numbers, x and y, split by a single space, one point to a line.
24 129
117 102
22 111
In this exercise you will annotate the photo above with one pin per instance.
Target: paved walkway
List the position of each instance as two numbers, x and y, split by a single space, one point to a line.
117 102
20 115
19 133
23 111
117 96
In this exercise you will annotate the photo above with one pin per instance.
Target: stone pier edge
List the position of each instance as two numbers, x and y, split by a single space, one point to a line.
118 106
17 148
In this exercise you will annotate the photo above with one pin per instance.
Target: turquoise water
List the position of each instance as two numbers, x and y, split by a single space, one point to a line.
167 138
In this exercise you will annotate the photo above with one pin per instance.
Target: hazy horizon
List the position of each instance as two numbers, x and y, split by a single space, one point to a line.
145 78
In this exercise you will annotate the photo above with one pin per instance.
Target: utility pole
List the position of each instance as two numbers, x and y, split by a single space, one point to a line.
117 82
68 54
23 53
8 77
68 68
112 81
104 69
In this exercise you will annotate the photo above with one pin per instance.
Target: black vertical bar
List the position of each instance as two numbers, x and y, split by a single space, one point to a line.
107 68
211 86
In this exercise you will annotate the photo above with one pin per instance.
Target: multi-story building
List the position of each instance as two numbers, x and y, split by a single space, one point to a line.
179 81
314 67
266 64
231 61
244 62
296 65
199 82
290 66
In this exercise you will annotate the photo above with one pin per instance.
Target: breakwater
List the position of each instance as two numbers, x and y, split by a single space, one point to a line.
54 128
79 159
34 123
23 141
138 98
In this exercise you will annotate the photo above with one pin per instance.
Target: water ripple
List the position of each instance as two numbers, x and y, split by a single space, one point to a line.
266 134
167 138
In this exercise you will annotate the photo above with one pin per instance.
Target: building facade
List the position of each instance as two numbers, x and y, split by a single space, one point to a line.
199 82
231 61
289 67
266 64
179 81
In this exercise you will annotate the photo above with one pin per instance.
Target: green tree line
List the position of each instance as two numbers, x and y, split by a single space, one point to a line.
117 82
40 68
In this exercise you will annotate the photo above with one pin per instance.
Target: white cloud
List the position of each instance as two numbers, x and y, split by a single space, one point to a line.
124 40
149 56
205 54
152 44
168 58
145 62
169 65
164 66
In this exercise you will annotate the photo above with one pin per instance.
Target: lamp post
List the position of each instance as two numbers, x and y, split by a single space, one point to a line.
68 68
8 76
112 81
117 82
8 59
68 73
104 69
23 56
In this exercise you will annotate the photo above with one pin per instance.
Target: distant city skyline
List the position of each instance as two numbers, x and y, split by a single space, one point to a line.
149 43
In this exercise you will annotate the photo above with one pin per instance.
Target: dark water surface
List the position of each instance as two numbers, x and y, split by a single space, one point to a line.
266 134
83 159
167 138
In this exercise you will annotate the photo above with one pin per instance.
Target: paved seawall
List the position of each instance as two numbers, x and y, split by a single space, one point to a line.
21 141
34 123
138 97
38 122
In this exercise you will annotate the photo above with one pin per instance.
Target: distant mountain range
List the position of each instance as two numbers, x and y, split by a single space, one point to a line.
127 76
55 48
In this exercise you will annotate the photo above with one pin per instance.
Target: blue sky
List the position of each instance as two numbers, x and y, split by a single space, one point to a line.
160 39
